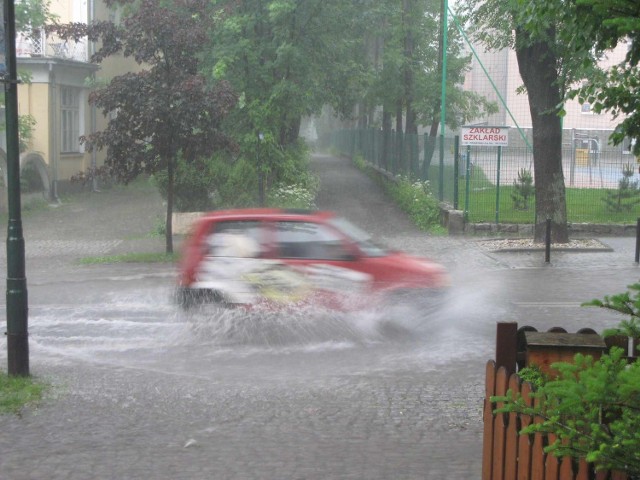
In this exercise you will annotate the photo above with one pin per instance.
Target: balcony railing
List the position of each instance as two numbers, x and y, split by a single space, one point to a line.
39 44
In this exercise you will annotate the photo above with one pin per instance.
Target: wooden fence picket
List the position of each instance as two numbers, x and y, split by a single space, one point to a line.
538 456
566 469
524 441
583 470
500 427
488 420
551 464
513 429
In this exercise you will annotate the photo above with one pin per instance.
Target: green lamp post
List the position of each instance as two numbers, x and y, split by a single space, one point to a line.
17 309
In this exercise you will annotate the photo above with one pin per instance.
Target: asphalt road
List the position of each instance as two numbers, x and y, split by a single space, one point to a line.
139 391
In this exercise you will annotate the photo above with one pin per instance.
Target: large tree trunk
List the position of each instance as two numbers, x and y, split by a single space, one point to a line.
538 68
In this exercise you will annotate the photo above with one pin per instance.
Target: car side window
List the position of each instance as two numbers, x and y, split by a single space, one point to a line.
309 240
235 239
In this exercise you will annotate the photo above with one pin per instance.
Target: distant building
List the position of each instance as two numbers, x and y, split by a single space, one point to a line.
582 127
56 98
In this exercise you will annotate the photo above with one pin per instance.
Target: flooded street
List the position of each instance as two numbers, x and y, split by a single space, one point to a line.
142 390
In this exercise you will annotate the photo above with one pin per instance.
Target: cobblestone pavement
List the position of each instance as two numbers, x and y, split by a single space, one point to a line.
149 397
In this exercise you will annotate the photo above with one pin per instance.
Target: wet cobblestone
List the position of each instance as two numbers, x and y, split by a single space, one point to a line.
406 409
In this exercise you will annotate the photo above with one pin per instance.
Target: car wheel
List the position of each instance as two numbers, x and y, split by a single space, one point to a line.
187 298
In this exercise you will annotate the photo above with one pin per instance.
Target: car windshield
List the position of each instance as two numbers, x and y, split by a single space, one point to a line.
359 237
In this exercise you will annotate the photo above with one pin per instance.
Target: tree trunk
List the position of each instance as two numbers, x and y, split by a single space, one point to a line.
386 138
169 220
399 137
430 143
411 126
538 69
290 130
362 116
430 146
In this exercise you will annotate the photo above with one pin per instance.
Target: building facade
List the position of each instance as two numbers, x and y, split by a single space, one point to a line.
55 101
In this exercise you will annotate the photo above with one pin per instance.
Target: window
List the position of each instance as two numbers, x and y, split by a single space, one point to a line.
236 239
585 108
70 119
309 240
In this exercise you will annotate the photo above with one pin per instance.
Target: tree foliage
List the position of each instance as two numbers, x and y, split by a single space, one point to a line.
626 303
167 108
32 14
287 58
617 89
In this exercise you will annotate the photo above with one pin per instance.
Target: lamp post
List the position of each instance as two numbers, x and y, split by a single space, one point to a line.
17 310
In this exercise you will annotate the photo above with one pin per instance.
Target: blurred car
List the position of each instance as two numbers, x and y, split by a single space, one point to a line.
273 256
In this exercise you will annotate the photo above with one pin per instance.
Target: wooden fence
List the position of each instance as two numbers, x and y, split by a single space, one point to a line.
507 455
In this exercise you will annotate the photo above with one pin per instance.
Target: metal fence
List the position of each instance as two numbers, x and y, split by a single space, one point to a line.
490 183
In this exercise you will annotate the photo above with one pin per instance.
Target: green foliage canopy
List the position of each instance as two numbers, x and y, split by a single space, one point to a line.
617 89
287 58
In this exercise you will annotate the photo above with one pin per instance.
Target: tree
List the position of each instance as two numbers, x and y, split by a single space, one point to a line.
167 109
408 79
288 58
32 15
552 54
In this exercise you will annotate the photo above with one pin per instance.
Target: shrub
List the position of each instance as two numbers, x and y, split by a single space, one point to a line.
292 196
225 181
523 190
626 196
30 181
593 406
87 177
416 199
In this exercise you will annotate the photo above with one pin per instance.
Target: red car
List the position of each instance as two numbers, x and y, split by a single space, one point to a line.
272 256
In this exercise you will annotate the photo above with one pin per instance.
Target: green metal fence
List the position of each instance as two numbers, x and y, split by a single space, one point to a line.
489 183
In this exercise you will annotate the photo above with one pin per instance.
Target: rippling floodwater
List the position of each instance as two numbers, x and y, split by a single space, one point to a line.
144 329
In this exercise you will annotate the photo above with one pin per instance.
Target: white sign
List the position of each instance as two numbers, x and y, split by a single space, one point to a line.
485 136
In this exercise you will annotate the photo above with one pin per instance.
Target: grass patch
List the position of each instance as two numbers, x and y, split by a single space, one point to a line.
131 258
17 392
584 205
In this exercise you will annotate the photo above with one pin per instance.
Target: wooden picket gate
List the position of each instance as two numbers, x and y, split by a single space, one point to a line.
507 455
